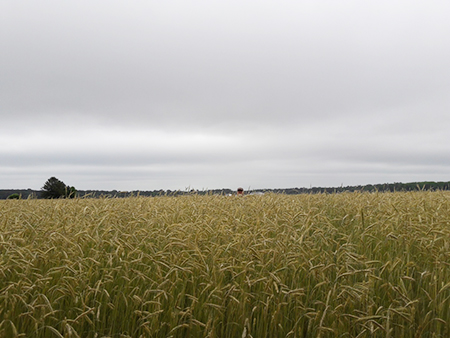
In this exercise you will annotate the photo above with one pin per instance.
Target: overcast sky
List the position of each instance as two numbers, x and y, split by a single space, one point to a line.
144 95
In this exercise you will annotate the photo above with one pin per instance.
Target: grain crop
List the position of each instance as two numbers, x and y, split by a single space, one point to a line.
324 265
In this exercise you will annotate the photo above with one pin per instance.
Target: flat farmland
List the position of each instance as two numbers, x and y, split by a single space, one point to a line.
324 265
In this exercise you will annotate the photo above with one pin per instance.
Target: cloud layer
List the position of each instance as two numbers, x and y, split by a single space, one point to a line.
208 94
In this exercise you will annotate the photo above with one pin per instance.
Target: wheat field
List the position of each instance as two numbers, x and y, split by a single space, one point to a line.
325 265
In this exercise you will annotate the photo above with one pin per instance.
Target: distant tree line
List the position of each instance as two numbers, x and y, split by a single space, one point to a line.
385 187
55 188
21 193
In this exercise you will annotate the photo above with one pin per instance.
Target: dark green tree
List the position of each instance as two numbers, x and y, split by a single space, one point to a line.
14 197
55 188
71 192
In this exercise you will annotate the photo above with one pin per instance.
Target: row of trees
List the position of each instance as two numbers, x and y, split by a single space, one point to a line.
55 188
385 187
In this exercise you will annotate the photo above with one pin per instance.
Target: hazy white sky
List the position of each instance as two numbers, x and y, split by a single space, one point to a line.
144 95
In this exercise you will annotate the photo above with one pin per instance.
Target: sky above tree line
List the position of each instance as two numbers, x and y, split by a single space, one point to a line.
143 95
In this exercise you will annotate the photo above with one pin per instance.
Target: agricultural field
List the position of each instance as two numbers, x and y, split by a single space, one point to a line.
324 265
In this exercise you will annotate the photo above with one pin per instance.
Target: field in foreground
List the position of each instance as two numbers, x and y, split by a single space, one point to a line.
339 265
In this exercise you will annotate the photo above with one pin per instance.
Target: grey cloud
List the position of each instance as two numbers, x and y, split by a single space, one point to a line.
292 89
